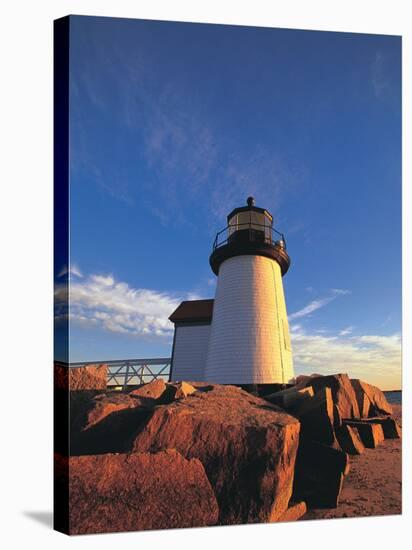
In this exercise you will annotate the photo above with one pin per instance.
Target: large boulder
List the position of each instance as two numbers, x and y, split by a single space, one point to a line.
130 492
391 429
247 446
291 397
101 406
371 434
112 434
91 377
319 474
349 440
316 417
183 390
303 379
373 396
294 512
152 390
343 394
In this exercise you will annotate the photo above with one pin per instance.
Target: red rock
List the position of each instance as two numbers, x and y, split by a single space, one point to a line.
349 440
153 390
114 433
294 512
101 406
184 389
377 399
291 397
303 379
247 446
316 417
343 394
371 434
363 400
390 427
319 474
139 491
91 377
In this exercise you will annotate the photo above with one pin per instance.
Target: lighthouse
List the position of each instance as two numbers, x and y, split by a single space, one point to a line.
249 340
242 336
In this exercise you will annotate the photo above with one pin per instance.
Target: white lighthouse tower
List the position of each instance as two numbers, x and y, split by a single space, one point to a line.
249 340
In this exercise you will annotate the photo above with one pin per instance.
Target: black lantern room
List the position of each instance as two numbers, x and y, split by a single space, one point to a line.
249 231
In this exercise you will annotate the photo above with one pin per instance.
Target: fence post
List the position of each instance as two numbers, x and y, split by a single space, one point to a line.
126 378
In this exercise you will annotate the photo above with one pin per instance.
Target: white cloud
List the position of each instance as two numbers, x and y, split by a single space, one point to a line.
311 307
374 358
346 331
340 291
100 300
317 304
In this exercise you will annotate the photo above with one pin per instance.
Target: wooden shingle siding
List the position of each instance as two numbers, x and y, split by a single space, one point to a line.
249 326
190 352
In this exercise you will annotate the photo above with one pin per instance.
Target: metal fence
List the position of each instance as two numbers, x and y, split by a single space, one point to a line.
133 372
251 232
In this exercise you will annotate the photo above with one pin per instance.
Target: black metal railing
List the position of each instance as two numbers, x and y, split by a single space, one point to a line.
249 232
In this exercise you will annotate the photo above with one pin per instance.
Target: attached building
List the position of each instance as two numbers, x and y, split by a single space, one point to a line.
192 320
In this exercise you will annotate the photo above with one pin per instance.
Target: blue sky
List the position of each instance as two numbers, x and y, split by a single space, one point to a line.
172 125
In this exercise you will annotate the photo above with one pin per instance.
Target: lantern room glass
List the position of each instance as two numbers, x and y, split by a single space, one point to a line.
254 222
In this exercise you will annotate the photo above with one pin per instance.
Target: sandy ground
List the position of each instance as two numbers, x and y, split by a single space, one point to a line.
374 484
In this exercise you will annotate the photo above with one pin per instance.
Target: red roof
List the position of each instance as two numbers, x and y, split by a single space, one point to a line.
193 311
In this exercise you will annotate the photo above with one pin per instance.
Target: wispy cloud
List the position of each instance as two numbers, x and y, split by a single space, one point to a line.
340 291
311 307
380 82
385 78
102 301
346 331
319 303
374 358
190 162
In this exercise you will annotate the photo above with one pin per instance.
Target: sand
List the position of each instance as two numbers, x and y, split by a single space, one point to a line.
373 486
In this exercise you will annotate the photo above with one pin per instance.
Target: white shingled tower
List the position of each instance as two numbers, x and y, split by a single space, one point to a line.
249 339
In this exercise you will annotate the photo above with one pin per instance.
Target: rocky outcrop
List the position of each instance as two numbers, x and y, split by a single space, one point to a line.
248 459
183 390
247 446
101 406
371 434
391 429
290 398
91 377
294 512
371 399
139 491
152 390
303 379
335 415
316 417
319 474
344 397
349 440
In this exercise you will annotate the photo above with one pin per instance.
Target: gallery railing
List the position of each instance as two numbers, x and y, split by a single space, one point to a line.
252 232
132 372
